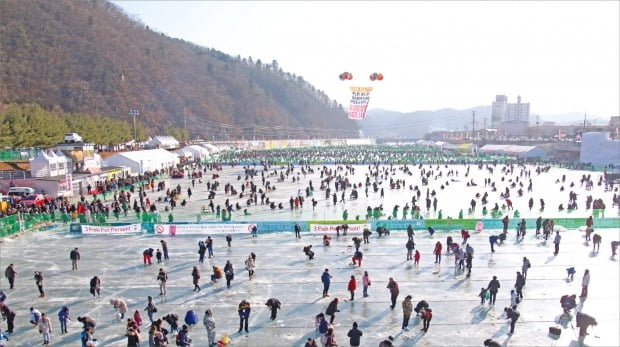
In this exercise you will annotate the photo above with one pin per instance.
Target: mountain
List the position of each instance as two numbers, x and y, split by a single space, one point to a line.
413 125
89 56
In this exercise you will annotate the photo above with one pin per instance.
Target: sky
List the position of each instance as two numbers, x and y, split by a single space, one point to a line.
561 56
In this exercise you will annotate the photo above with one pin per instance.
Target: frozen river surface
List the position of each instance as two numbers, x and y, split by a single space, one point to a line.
285 273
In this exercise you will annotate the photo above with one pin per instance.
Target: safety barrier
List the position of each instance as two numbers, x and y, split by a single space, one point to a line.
179 228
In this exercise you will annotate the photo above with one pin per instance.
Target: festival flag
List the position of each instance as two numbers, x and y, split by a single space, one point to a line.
360 96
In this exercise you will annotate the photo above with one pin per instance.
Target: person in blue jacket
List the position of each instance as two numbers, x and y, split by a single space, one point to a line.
326 279
244 315
191 318
493 240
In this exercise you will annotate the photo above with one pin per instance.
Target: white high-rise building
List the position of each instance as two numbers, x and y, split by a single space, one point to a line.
502 111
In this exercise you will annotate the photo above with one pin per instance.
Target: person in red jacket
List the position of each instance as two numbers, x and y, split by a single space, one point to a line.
426 315
437 253
416 258
352 286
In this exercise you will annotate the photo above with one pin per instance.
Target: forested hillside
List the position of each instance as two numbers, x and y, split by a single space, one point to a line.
87 56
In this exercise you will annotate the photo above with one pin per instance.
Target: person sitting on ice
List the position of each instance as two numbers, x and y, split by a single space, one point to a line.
326 240
568 302
357 258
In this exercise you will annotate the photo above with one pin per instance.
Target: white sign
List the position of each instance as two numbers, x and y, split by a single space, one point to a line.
331 228
111 229
186 229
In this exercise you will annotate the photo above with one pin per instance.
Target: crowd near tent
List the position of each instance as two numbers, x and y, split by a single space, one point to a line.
599 150
165 142
521 152
139 162
49 164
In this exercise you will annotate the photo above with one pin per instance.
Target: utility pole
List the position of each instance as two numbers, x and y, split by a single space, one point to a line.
584 120
134 112
473 124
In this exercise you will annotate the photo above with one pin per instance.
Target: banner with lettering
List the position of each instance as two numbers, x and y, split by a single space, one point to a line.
331 228
111 229
206 228
360 96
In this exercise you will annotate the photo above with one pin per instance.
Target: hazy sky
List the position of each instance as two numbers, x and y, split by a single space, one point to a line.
561 56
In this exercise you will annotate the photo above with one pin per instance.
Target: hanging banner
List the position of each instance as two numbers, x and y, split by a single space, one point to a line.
360 96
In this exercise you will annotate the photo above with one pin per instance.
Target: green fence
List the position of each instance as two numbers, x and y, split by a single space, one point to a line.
17 154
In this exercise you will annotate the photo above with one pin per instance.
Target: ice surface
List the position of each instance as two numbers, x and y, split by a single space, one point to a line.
285 273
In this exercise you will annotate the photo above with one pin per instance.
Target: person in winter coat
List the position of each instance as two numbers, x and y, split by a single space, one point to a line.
150 308
525 266
393 287
273 305
9 315
357 258
209 323
38 280
585 282
326 279
493 287
519 283
229 273
183 339
191 318
88 323
95 285
147 256
493 240
74 255
164 248
196 278
10 275
513 315
45 328
63 318
365 283
202 250
410 246
354 335
426 314
437 252
407 309
120 305
422 304
556 242
321 324
416 258
162 278
308 252
250 266
133 338
352 286
514 298
244 315
209 244
583 322
331 310
216 275
329 338
137 318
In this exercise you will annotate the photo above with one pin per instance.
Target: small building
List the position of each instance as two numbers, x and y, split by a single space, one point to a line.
164 142
140 162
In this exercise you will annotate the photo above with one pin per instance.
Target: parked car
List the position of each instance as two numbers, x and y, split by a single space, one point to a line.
72 138
33 200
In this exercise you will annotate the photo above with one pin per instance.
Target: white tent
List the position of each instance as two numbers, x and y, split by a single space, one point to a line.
49 164
185 153
139 162
166 142
211 148
198 152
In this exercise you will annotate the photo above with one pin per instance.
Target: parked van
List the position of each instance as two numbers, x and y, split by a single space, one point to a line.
21 191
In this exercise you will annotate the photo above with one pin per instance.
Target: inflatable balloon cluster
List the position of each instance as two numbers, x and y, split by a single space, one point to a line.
376 76
346 76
